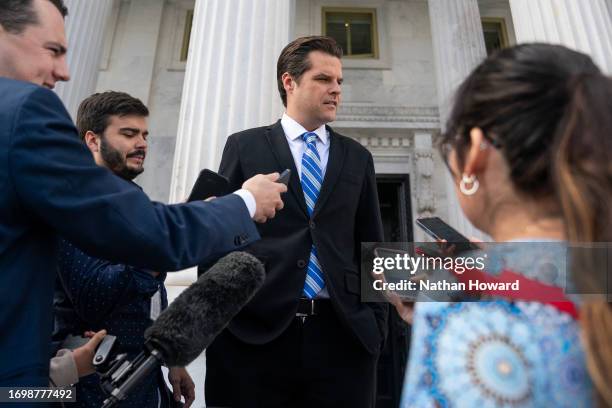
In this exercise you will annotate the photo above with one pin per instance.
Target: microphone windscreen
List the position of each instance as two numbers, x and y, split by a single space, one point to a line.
205 308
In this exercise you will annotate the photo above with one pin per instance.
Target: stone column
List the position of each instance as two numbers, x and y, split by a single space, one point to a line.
85 29
458 46
585 26
230 80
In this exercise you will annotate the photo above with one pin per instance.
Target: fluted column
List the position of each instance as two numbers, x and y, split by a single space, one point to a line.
230 80
85 30
458 46
578 24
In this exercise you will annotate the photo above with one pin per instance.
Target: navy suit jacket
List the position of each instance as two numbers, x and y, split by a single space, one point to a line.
50 185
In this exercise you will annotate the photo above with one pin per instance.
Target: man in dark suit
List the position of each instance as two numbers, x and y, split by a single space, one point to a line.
50 185
305 339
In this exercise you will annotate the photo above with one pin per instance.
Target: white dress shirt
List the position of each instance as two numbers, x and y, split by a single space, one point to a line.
293 131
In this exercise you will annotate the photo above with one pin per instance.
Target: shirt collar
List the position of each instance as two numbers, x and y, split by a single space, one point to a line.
294 130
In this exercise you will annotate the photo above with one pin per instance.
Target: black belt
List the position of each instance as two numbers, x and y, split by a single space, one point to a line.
311 307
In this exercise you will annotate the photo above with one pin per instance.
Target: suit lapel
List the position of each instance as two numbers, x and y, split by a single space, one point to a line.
282 153
334 167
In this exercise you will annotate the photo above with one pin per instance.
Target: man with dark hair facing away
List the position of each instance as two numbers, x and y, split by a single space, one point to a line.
93 293
305 339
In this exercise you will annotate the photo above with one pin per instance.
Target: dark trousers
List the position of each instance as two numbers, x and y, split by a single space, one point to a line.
315 363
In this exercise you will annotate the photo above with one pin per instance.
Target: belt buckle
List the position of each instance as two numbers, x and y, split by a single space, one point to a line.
303 316
312 308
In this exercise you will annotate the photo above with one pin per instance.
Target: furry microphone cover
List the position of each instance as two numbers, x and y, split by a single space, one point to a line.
205 308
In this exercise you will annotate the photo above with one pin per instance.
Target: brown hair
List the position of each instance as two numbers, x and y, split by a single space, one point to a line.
294 58
583 172
95 111
549 111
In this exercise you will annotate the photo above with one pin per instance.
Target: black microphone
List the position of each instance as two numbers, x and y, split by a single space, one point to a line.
189 324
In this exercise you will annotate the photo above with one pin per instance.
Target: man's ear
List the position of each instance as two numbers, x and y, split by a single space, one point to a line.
288 82
92 141
477 154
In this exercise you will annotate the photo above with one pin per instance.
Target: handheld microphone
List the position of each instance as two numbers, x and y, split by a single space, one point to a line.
189 324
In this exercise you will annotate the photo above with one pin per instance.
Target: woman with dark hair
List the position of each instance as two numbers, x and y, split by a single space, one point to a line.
529 145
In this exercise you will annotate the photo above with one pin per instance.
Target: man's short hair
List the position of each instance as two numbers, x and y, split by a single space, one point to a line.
294 58
95 111
16 15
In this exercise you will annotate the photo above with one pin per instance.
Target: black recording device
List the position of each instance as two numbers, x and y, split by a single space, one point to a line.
209 184
284 177
188 325
438 229
104 353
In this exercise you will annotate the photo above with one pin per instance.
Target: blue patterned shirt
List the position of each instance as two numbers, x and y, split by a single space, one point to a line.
94 294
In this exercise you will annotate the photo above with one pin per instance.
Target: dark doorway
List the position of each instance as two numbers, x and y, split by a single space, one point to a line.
394 199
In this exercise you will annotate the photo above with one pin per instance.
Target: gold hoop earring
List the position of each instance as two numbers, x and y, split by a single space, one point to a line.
463 184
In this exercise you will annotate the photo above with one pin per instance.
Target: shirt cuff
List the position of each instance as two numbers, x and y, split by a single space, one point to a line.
63 369
248 199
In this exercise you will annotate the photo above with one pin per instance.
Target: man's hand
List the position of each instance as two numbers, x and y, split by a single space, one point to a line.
267 193
83 356
182 384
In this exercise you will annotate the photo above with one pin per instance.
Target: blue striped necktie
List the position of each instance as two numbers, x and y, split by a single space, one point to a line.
312 178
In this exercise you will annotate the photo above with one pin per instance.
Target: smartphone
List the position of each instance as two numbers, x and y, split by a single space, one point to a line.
438 229
398 275
284 177
209 184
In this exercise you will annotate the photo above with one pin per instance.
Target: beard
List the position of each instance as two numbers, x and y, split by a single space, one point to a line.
115 161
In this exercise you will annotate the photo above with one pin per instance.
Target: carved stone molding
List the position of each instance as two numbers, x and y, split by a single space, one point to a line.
424 169
413 148
390 142
388 116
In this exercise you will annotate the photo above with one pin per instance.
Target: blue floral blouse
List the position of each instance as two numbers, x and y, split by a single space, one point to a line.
498 353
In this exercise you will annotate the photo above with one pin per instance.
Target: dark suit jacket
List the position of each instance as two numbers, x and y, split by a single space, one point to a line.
49 184
346 214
